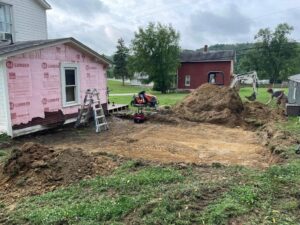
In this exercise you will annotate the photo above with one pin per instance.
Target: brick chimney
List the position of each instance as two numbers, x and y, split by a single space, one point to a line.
205 48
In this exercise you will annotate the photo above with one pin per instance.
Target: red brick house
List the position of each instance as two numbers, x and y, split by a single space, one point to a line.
200 67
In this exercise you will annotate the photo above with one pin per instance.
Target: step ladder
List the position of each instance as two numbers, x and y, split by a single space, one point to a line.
91 103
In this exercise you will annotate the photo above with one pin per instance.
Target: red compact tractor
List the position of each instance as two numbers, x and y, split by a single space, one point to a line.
142 101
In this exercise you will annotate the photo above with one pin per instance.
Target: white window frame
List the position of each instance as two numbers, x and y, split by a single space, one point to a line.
10 23
187 80
63 68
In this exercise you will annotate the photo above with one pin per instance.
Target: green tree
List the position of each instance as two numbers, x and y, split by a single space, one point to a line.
120 59
294 65
110 72
273 54
252 61
156 52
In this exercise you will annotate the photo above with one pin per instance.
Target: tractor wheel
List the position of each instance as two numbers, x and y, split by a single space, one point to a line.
139 120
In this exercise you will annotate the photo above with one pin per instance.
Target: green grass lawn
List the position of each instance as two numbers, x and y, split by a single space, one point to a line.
163 99
262 96
4 138
145 194
172 98
4 154
116 87
292 125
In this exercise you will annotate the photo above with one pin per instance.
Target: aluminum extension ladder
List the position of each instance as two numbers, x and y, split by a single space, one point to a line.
91 103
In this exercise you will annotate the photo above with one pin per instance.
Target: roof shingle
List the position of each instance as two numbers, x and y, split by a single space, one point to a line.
201 56
8 50
23 45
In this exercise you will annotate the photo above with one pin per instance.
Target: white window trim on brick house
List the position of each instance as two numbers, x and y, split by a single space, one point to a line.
187 80
64 67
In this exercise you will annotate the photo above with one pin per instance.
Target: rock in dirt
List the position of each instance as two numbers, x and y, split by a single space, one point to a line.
211 104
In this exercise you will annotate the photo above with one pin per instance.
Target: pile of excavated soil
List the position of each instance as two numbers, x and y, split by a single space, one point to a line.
258 114
223 105
211 104
48 165
35 168
278 141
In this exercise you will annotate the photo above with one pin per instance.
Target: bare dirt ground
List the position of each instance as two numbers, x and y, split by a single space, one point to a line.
186 143
44 162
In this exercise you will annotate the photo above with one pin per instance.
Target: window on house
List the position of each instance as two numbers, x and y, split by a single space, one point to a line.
70 86
212 78
216 77
5 18
187 80
295 91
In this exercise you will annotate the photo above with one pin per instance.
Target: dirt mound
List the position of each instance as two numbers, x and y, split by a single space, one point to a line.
223 105
258 114
212 104
35 169
25 158
64 166
278 141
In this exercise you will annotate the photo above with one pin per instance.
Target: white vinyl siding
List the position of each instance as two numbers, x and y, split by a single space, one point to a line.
29 20
70 84
4 123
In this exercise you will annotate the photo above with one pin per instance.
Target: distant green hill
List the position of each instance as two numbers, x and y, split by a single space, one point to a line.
239 47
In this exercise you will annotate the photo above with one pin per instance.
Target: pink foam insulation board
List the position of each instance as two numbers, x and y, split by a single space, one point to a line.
34 81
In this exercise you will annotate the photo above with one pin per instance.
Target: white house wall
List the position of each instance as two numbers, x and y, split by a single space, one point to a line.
4 123
29 20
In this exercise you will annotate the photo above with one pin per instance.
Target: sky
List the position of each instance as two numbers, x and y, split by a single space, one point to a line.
100 23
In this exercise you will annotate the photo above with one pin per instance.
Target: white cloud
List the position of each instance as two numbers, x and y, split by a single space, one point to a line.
99 23
80 8
217 24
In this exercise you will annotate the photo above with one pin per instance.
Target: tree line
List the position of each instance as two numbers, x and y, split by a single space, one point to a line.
155 51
